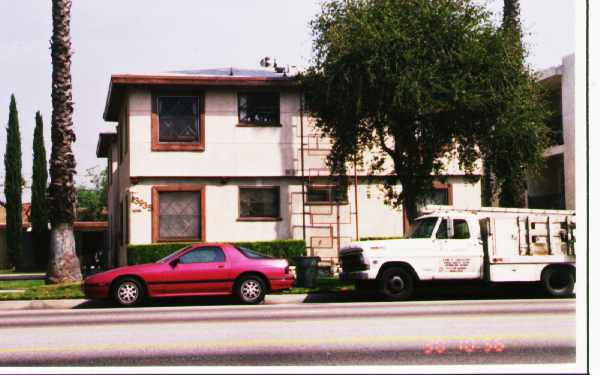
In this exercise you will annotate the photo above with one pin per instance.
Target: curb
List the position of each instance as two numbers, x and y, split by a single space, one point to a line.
68 304
23 276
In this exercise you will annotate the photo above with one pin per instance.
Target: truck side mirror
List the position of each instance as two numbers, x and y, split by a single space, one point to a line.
450 227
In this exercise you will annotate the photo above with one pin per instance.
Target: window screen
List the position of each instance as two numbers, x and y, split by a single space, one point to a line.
179 215
324 194
259 202
178 119
260 108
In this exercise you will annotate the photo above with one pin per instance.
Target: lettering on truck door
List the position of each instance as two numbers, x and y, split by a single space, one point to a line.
461 253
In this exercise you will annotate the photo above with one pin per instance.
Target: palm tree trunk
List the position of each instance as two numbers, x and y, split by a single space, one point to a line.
64 265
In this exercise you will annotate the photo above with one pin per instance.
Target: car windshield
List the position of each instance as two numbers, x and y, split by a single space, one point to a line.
423 228
252 254
172 255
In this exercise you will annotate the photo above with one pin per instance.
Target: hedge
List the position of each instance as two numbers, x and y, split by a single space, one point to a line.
138 254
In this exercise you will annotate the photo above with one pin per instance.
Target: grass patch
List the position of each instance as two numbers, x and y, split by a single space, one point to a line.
38 290
324 285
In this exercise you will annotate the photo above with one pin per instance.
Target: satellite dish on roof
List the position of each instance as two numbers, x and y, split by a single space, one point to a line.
265 62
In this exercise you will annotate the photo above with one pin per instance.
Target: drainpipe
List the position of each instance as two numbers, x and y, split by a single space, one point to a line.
356 198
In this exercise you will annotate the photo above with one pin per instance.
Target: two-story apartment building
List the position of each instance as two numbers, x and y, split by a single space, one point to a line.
230 155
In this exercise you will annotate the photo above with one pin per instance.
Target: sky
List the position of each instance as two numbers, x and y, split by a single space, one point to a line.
148 36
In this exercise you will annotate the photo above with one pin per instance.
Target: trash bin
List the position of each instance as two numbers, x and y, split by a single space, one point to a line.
306 271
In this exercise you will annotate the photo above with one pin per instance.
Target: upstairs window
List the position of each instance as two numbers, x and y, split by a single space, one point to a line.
178 119
258 109
177 122
259 203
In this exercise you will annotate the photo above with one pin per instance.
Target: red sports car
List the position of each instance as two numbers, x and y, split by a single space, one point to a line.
196 270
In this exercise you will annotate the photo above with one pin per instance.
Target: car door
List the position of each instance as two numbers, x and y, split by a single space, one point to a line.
461 254
201 270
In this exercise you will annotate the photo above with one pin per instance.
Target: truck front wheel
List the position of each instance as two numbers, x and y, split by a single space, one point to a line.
558 282
396 284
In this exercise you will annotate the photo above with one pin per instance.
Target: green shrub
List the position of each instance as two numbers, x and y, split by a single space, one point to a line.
139 254
380 238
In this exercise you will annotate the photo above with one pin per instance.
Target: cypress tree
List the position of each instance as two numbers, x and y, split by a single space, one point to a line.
513 185
13 184
39 199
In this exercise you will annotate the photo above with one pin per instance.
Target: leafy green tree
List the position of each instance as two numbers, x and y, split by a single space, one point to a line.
64 265
13 185
92 200
416 82
39 197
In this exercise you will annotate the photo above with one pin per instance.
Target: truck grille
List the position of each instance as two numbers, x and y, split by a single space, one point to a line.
353 261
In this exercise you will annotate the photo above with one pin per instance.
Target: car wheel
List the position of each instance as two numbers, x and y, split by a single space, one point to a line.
558 282
250 290
128 292
396 284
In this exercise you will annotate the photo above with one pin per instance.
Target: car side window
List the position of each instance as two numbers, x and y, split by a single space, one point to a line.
461 229
442 232
203 255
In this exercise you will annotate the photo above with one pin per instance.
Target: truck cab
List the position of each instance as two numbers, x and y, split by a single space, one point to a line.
438 247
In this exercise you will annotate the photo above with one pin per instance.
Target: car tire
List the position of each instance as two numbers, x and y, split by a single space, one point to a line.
250 290
396 284
128 292
558 282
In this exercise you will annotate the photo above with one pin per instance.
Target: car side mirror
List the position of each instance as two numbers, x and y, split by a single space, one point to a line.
174 262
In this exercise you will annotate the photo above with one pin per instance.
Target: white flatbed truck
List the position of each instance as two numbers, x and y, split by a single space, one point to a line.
489 244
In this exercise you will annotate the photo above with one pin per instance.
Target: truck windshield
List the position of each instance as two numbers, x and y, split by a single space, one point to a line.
423 228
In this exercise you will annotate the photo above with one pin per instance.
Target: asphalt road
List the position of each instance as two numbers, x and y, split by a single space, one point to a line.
510 331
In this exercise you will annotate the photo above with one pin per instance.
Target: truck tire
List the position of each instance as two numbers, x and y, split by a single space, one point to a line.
396 284
558 282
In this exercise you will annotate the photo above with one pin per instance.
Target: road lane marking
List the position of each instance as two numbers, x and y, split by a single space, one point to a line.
282 342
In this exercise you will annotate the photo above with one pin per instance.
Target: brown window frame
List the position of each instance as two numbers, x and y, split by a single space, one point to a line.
259 218
178 146
249 124
156 190
331 201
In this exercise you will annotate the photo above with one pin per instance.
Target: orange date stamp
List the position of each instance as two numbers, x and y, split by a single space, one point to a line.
468 346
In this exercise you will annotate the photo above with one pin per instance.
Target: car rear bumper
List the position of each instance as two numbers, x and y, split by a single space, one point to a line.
282 284
95 291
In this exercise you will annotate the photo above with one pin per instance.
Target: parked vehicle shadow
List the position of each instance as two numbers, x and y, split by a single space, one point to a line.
163 302
442 292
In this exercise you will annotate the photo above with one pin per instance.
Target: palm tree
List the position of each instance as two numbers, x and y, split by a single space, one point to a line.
63 265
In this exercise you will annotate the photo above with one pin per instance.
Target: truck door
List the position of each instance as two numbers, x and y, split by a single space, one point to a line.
461 254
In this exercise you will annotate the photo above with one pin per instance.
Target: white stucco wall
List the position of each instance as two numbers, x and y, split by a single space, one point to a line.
229 150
